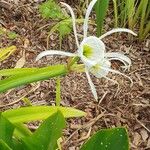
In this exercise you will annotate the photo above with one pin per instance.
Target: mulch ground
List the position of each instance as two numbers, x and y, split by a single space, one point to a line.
118 106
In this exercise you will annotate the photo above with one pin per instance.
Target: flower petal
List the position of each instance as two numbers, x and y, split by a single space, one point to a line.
96 49
89 9
118 72
73 22
117 30
119 56
54 52
92 86
98 71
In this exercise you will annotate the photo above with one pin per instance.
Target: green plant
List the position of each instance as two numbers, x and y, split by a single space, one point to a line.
44 138
51 10
108 139
91 51
16 136
101 9
133 14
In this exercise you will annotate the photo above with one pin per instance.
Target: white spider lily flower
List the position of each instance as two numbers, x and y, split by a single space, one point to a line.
92 51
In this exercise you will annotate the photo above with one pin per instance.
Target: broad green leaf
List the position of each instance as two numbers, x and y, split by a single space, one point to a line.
101 9
17 145
4 146
6 130
6 52
21 131
26 78
46 136
26 114
108 139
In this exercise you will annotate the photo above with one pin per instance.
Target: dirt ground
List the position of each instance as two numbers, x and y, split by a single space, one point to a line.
118 106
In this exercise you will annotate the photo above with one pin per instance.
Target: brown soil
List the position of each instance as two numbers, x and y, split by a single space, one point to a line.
118 106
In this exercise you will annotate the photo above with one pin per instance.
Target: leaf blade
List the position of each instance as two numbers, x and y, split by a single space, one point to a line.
6 130
26 78
100 9
51 128
108 139
26 114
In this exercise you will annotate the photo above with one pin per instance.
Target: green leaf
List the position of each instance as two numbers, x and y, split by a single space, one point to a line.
33 76
101 9
32 113
50 9
46 136
6 52
108 139
21 131
6 130
4 146
17 71
64 28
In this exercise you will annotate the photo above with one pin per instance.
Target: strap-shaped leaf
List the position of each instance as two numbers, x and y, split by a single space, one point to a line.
33 75
6 130
101 9
108 139
46 136
26 114
21 130
4 146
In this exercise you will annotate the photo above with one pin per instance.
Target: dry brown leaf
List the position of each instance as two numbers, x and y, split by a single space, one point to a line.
148 143
26 43
137 139
20 63
144 134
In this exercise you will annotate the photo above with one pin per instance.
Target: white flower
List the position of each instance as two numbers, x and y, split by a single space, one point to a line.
92 51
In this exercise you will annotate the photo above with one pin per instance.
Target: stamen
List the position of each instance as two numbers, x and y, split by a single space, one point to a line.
87 51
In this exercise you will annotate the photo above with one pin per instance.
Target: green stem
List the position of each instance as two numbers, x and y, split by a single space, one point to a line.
72 62
115 13
58 92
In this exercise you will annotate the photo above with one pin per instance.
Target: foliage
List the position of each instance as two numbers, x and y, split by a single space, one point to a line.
50 9
33 113
63 27
100 9
21 76
47 136
44 138
108 139
6 52
135 13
